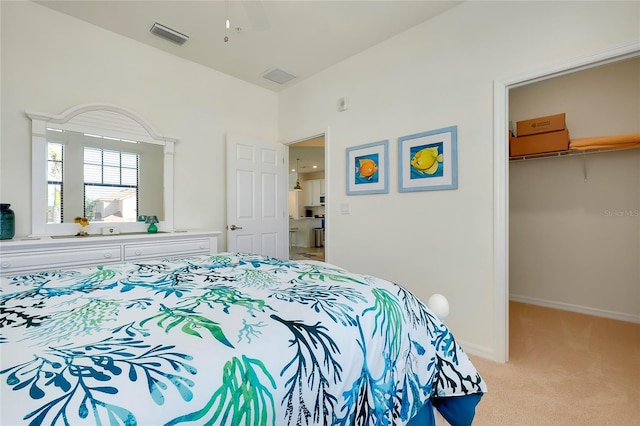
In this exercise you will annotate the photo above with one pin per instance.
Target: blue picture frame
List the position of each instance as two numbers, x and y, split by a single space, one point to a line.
368 168
428 161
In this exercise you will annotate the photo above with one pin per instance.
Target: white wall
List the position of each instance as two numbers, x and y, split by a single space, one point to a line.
51 62
575 243
438 74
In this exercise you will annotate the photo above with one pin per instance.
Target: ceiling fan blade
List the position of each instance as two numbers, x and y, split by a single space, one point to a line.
256 14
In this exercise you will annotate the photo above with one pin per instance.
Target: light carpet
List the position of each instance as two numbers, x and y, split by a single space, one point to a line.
565 369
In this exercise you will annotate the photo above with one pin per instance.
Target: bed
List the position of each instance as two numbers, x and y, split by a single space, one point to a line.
226 339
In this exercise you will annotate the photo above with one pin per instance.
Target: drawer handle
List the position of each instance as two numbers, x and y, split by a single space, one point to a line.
138 252
5 264
107 255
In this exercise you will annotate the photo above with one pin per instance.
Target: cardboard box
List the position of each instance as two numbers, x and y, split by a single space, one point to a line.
550 123
539 144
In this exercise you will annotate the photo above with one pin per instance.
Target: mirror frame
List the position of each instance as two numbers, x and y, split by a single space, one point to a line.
106 120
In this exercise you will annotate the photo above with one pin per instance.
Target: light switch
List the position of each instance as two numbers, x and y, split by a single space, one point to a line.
345 208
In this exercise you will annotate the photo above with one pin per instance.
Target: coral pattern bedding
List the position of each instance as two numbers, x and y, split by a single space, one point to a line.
225 339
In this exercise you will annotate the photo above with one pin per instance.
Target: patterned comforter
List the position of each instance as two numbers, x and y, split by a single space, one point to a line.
226 339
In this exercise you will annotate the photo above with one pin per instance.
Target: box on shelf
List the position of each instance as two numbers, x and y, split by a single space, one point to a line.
539 144
534 126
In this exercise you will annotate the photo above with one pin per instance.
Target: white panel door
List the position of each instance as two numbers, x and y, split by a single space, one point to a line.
257 218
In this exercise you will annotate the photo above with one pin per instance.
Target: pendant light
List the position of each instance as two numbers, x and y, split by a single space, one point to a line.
297 187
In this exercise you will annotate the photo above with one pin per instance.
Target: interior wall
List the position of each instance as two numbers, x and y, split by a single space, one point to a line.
575 239
51 62
438 74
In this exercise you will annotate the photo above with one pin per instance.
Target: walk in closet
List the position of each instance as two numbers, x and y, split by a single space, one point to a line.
574 219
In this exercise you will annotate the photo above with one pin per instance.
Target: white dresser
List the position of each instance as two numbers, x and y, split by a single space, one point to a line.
49 253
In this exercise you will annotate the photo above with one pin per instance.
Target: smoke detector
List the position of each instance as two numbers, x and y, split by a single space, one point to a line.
168 34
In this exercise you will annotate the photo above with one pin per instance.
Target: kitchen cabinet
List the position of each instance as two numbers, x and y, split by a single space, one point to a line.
307 193
313 190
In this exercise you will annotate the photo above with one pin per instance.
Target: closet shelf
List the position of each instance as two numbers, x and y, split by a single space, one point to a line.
566 153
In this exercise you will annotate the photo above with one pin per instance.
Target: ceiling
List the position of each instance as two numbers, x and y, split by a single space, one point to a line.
300 37
310 154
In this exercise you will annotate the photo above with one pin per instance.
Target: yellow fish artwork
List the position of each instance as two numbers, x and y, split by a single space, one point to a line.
427 160
367 168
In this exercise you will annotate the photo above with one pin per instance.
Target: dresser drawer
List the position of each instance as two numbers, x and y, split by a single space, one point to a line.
48 254
36 261
174 248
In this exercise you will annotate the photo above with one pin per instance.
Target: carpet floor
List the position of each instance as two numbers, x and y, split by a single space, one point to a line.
565 369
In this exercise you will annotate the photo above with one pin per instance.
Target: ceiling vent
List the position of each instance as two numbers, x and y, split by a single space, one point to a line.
168 34
278 76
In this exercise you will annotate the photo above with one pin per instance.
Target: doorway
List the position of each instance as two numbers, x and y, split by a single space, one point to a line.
307 198
501 180
554 200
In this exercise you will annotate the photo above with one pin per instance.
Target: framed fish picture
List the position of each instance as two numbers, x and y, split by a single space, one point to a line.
368 168
428 160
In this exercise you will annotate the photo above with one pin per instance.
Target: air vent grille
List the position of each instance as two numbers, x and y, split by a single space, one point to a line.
168 34
279 76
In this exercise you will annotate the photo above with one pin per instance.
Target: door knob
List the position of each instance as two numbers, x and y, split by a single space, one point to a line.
233 227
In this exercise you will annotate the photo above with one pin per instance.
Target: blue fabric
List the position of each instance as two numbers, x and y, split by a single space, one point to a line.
458 410
424 417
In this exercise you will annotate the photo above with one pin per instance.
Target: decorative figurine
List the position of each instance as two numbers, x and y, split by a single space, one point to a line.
84 222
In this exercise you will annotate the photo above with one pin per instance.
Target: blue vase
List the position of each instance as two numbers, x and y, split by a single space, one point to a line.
7 222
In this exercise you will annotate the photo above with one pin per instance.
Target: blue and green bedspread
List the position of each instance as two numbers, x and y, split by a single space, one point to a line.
227 339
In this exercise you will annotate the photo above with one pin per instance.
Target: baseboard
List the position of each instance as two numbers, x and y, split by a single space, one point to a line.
621 316
477 350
